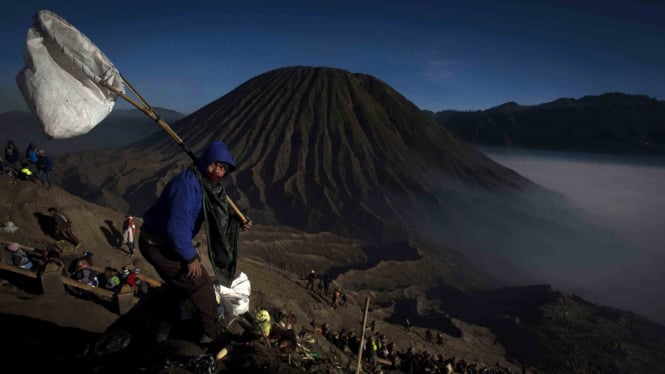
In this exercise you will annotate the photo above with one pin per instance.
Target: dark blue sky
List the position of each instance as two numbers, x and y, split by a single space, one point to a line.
438 54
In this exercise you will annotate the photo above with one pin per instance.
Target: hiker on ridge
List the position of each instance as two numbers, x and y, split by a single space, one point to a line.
128 234
310 280
11 154
428 335
326 284
31 153
335 298
172 222
44 168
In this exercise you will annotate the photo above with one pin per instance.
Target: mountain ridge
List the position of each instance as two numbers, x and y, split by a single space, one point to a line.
609 123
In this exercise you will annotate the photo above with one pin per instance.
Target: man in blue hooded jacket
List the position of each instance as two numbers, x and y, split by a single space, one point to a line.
192 199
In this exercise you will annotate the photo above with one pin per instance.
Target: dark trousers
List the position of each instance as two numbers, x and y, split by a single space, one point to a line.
173 270
45 177
67 234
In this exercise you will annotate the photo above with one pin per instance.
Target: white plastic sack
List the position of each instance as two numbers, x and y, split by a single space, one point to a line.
9 227
235 299
60 79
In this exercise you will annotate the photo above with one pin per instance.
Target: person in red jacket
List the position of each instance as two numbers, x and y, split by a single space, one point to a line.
128 234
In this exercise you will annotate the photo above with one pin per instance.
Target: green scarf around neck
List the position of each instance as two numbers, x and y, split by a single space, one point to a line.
222 230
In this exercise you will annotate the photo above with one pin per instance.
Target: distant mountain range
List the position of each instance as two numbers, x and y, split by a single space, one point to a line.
610 123
122 127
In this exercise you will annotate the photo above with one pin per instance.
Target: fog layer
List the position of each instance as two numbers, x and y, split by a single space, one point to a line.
595 229
624 194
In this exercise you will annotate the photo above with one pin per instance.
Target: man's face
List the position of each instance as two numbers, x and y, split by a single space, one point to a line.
217 168
216 171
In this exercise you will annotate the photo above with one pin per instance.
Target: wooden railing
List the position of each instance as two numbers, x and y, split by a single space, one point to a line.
151 281
48 279
99 291
18 270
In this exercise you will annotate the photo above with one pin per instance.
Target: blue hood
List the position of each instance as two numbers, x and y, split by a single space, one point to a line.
216 151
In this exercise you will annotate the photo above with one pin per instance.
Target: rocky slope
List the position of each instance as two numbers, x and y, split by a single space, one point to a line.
535 326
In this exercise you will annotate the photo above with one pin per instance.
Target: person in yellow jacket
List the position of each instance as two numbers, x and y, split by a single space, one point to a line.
373 348
262 321
25 172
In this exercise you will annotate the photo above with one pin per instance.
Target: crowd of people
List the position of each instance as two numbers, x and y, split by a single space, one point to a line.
377 345
34 166
81 269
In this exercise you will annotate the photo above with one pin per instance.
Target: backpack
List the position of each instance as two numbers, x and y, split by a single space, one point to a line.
61 219
20 258
88 276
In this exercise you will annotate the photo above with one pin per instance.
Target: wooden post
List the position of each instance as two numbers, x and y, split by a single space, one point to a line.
362 336
51 278
33 282
125 299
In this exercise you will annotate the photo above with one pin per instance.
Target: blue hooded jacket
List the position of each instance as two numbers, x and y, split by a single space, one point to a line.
177 215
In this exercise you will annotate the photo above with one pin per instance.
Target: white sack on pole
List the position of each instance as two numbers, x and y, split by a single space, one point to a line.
60 79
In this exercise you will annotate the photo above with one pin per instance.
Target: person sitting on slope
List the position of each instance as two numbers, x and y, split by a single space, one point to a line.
20 257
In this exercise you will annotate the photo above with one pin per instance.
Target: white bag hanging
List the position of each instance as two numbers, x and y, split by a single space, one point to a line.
236 298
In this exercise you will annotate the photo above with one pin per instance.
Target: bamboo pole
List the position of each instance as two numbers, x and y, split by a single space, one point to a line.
147 109
362 336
